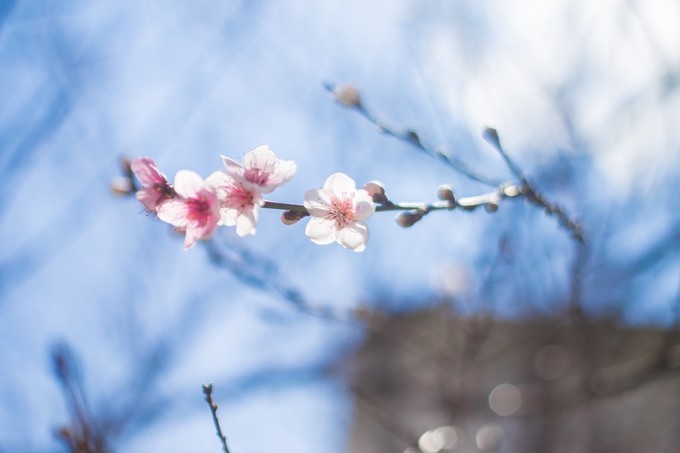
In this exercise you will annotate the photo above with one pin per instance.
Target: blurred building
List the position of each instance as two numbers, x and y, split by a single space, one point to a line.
433 381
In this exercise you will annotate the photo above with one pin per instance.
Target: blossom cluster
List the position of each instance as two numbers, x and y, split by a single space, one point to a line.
233 197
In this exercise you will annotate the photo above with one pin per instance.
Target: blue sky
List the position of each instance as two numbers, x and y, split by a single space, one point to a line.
85 83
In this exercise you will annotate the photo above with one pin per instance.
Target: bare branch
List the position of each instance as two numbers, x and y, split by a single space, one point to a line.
207 390
411 137
529 190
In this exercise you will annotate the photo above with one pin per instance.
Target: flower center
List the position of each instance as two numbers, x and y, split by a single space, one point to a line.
256 176
342 211
240 198
199 211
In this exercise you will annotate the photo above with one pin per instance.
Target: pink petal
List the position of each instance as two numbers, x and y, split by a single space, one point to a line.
149 197
190 238
207 230
321 231
354 237
174 212
147 172
188 183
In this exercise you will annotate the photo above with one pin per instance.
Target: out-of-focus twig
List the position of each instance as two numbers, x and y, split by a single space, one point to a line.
529 189
207 391
350 98
83 435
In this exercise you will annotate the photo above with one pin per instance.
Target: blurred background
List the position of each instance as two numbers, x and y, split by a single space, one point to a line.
470 331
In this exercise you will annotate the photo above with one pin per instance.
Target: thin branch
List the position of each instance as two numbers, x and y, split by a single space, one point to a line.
349 97
491 136
411 137
207 390
465 203
530 191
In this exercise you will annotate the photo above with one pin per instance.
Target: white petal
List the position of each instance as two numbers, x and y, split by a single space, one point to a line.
228 216
340 185
284 172
231 164
218 179
246 223
174 212
363 205
261 158
354 237
188 183
317 203
321 231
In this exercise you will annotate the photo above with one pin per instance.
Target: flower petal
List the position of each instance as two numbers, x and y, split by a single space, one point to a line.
188 183
317 203
261 158
190 238
174 212
149 197
354 237
363 205
230 164
340 185
321 231
246 223
228 216
147 172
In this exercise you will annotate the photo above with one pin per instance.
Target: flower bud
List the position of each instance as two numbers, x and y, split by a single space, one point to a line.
491 206
347 95
410 218
122 186
413 137
445 192
291 217
376 191
511 190
491 136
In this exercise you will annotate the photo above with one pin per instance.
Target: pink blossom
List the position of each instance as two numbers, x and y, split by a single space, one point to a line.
338 213
155 186
195 210
239 201
262 169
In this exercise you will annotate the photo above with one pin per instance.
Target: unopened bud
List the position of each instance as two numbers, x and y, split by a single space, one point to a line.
64 433
291 217
491 206
445 192
511 190
491 136
410 218
122 185
376 191
413 137
347 95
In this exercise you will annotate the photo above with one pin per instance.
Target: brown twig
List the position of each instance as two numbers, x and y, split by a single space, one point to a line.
526 188
411 137
207 391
